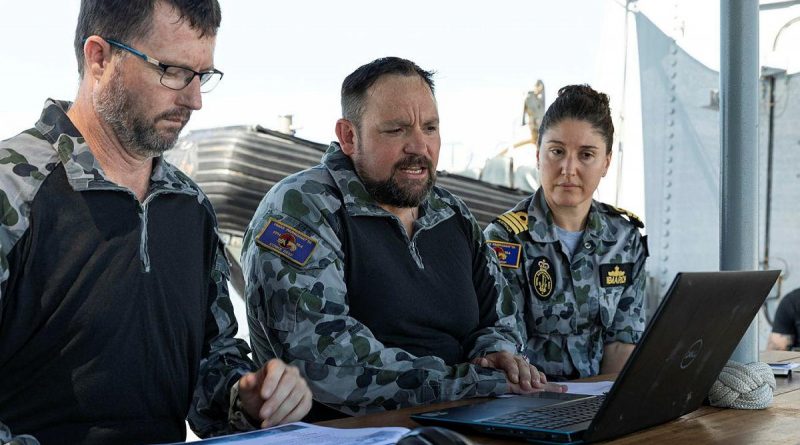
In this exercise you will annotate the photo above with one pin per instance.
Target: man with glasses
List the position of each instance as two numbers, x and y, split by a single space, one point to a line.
115 321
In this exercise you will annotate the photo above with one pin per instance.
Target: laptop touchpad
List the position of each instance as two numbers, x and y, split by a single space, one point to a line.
516 403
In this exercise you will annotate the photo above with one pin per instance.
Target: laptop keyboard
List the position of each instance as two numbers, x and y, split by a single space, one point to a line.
550 417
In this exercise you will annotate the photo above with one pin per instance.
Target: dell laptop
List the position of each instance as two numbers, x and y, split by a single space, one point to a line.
684 348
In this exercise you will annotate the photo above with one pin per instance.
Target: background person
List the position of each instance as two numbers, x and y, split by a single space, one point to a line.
375 282
786 326
115 321
575 265
533 111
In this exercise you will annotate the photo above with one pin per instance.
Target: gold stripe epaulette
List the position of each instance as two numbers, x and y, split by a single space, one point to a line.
514 222
635 220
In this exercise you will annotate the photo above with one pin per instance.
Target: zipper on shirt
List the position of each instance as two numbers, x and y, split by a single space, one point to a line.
144 254
412 243
412 248
144 249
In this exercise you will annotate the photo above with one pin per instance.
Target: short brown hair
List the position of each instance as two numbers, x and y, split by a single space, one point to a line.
355 85
127 20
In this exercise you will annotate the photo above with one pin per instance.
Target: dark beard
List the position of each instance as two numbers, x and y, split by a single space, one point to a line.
115 105
391 192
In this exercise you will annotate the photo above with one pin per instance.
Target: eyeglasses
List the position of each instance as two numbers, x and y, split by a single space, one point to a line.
175 77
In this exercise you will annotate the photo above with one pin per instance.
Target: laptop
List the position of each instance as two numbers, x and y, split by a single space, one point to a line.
681 353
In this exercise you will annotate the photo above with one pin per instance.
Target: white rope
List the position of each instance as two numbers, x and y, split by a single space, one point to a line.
743 386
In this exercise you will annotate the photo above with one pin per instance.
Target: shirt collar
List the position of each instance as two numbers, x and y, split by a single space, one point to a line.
83 170
543 229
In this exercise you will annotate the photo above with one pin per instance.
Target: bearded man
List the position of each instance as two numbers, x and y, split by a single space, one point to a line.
391 296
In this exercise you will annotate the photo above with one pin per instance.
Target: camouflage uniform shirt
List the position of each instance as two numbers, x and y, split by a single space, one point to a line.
115 321
573 304
301 305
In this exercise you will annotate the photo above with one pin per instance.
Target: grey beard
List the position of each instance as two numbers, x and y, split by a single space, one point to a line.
116 107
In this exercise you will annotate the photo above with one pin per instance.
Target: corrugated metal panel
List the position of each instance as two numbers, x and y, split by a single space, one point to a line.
485 201
236 166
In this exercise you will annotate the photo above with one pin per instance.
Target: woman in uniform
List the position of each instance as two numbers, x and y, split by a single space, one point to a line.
575 265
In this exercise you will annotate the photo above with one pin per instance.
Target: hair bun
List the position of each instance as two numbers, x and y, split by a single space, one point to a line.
586 92
584 103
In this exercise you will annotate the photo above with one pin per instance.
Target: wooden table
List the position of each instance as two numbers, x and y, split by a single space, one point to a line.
778 424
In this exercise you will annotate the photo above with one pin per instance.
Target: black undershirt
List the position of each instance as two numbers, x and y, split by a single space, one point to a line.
93 349
428 311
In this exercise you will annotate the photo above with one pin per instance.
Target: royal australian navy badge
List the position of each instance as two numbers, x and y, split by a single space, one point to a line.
615 275
287 242
543 278
508 253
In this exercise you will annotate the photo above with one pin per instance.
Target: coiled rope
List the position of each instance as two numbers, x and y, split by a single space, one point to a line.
743 386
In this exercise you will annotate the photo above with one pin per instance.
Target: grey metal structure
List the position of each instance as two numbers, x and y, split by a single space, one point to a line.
681 132
681 158
739 141
236 166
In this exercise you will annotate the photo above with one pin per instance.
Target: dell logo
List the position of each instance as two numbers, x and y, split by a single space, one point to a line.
692 353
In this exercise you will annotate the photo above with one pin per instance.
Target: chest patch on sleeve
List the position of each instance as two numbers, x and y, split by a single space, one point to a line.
287 242
613 275
508 253
542 278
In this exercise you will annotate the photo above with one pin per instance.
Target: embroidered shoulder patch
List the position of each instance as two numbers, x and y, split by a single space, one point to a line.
508 253
287 242
514 222
543 278
613 275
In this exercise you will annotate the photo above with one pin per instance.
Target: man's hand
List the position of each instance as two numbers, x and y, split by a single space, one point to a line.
275 394
549 387
523 378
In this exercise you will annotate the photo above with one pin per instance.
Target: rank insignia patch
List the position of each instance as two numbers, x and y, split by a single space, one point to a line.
613 275
287 242
508 253
515 222
543 278
635 220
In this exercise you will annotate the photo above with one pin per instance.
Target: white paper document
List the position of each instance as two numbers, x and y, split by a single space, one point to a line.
588 388
300 433
784 369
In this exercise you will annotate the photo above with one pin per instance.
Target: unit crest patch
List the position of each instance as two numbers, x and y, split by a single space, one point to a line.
508 253
287 242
